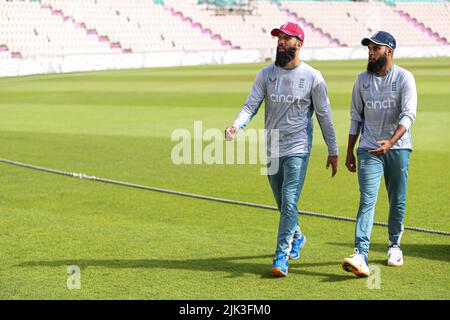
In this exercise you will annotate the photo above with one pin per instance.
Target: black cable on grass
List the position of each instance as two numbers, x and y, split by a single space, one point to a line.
197 196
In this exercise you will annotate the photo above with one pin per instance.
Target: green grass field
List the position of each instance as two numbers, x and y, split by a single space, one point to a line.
134 244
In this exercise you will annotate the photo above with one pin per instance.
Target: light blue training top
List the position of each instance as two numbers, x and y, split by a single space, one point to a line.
291 97
379 104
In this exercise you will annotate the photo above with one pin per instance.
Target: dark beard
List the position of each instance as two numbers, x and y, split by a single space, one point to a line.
284 57
374 67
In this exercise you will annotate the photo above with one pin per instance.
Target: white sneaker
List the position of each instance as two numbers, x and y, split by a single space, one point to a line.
356 264
395 256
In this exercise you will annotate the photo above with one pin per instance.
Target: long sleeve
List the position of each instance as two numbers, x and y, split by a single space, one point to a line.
253 102
322 107
356 110
409 101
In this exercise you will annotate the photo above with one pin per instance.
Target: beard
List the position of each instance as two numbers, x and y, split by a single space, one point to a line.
284 57
374 67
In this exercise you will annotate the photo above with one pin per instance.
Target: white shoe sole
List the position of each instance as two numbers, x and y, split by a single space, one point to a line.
395 264
348 266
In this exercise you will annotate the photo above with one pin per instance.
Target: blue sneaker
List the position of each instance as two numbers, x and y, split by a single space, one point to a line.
280 266
297 245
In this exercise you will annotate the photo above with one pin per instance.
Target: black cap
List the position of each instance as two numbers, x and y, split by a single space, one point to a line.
381 38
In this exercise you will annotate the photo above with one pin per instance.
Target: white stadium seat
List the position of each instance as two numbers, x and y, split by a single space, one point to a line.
58 27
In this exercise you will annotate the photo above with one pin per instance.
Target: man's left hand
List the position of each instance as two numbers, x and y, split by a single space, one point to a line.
333 161
385 146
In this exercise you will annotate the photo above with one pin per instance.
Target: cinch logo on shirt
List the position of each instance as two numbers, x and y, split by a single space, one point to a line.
281 98
381 104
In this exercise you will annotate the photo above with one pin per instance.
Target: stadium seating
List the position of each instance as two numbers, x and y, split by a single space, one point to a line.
428 17
246 31
70 27
350 21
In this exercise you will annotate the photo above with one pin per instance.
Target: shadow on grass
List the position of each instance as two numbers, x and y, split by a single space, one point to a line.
439 252
234 266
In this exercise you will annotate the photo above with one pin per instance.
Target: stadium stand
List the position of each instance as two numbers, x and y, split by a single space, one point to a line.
350 21
70 27
431 18
246 31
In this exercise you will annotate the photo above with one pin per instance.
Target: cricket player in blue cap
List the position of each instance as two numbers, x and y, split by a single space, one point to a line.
383 108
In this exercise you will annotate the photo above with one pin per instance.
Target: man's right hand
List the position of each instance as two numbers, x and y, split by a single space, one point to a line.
350 162
230 132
